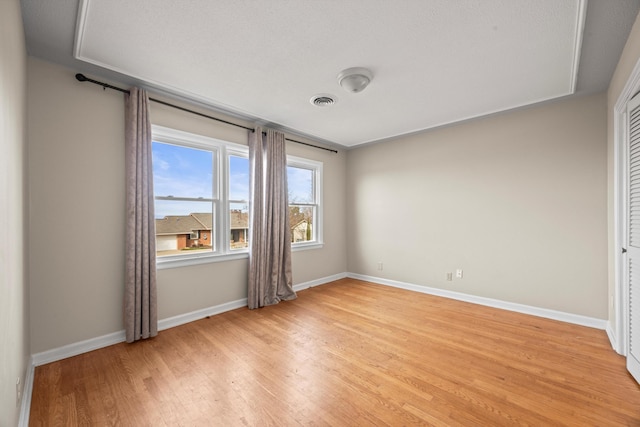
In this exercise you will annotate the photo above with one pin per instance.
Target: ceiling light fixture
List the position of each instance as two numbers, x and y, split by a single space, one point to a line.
355 79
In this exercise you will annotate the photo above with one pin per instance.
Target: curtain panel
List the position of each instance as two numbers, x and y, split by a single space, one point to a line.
270 274
140 301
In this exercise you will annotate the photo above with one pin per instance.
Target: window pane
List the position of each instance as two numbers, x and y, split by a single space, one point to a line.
182 227
182 171
301 223
300 183
239 224
238 178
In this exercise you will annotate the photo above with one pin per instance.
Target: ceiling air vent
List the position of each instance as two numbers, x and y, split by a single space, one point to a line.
323 100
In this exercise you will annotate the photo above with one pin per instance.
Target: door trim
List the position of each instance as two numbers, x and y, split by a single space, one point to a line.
618 331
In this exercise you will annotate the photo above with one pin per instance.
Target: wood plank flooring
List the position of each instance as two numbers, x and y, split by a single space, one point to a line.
348 353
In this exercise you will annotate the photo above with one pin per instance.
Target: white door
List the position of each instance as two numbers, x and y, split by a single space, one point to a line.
633 246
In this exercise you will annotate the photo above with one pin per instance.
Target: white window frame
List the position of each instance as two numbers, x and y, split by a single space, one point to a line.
221 225
316 168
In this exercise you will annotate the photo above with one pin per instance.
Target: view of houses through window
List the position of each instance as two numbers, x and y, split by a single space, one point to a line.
201 190
302 203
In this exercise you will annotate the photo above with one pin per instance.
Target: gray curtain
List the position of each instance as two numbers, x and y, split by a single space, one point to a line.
270 277
140 306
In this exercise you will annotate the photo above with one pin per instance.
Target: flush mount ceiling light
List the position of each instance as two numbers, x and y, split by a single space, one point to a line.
323 100
355 79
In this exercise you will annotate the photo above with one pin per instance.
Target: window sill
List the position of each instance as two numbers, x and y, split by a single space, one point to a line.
186 260
167 262
306 246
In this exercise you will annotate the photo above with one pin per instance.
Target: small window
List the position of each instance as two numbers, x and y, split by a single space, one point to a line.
304 182
239 202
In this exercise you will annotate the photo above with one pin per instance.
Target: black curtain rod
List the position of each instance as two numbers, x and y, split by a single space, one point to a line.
83 78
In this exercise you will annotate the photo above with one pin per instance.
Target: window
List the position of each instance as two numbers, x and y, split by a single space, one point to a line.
201 191
304 179
238 202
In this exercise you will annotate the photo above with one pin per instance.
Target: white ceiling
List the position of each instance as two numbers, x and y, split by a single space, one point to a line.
434 62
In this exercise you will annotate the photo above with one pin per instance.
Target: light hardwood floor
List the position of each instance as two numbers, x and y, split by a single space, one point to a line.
348 353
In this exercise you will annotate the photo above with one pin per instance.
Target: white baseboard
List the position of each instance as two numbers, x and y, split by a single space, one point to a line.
510 306
181 319
317 282
613 339
77 348
27 391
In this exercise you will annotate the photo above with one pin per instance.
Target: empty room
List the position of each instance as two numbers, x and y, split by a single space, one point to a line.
218 213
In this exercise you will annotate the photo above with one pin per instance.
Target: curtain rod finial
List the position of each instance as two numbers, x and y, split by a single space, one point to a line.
81 77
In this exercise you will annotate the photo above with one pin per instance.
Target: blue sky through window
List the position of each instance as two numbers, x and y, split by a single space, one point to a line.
180 171
238 178
300 182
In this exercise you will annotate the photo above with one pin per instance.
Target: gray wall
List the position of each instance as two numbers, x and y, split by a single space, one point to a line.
14 307
517 200
76 177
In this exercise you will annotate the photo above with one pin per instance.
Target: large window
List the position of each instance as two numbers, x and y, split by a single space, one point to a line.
201 191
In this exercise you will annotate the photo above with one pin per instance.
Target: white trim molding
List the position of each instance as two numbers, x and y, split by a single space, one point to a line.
181 319
27 392
489 302
619 329
318 282
581 18
611 334
77 348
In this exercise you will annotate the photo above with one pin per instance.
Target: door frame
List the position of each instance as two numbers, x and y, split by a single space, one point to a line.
619 331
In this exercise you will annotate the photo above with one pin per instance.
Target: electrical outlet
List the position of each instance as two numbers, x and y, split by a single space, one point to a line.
18 392
459 273
380 266
449 277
